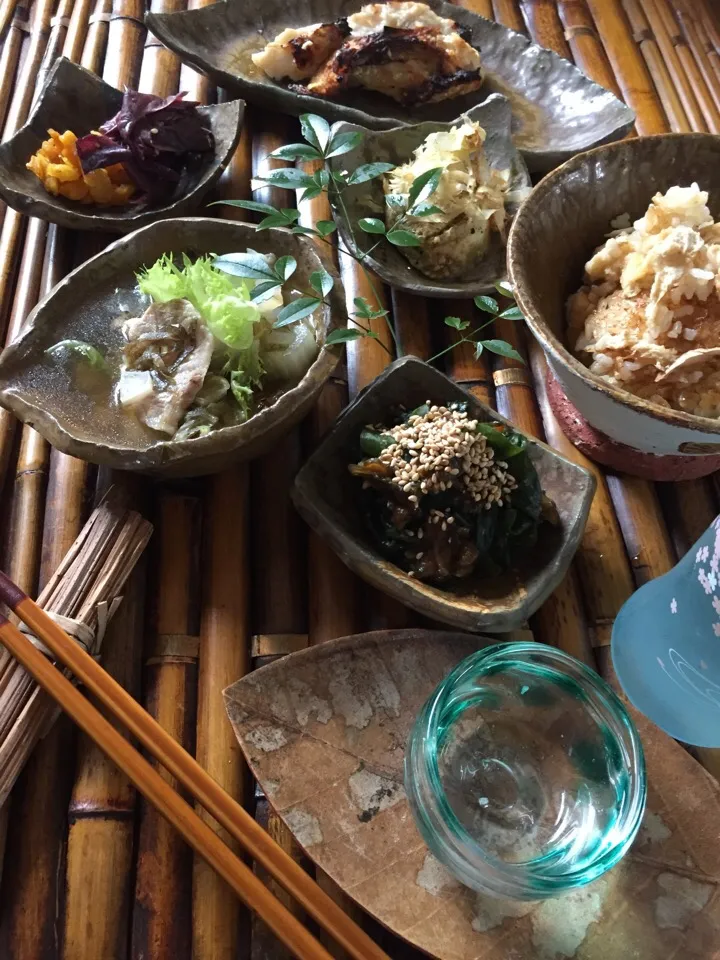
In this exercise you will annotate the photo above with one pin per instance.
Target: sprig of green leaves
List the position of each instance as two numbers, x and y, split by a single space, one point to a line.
322 142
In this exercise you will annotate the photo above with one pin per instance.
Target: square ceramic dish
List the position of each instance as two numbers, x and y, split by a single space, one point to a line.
327 497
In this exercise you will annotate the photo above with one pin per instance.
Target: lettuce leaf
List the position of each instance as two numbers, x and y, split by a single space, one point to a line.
221 300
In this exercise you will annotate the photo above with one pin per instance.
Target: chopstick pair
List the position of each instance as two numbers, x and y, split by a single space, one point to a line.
190 775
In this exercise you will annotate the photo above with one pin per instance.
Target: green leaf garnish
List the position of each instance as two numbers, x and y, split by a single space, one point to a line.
424 185
250 265
371 225
297 310
504 289
502 349
296 151
343 143
316 130
403 238
325 227
321 282
288 178
284 268
345 335
488 304
457 323
512 313
368 171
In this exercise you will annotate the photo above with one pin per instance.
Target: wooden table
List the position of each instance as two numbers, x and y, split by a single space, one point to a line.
234 578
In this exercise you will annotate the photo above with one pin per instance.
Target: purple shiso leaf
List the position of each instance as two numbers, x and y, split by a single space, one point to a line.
156 139
95 151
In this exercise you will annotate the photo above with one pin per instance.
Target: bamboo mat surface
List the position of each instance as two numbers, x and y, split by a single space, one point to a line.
233 577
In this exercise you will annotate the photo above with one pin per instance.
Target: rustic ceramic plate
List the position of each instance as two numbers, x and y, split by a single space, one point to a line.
558 111
326 495
85 306
367 199
324 732
75 99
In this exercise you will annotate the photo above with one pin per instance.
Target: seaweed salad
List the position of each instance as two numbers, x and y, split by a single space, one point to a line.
446 495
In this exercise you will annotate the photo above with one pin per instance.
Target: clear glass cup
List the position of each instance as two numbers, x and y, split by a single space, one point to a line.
525 773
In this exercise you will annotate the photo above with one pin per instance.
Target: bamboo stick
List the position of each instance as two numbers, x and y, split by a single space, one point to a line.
99 864
96 37
600 564
483 8
10 57
334 593
56 39
699 69
412 324
162 907
663 25
160 70
709 28
508 13
198 86
124 44
216 913
542 19
101 836
657 66
277 535
460 363
628 65
77 30
28 911
7 10
585 46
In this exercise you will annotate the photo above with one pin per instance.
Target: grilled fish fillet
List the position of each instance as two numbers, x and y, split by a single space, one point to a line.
420 65
296 54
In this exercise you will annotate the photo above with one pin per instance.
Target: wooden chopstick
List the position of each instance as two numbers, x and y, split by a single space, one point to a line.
149 782
189 774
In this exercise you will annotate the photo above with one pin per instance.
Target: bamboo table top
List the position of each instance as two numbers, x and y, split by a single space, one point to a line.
233 579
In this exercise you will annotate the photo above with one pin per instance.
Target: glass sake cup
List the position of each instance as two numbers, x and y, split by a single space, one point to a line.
525 773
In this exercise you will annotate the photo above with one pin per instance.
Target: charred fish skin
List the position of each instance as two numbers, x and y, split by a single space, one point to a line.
410 66
298 53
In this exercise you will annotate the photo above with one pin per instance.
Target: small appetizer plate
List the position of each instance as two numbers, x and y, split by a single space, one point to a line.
558 111
87 306
327 497
367 200
75 99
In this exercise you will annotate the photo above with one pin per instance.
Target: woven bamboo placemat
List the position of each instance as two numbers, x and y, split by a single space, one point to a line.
88 871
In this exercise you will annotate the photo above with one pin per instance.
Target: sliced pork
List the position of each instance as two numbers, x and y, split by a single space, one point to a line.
166 357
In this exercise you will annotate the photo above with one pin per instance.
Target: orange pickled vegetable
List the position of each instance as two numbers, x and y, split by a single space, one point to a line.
57 164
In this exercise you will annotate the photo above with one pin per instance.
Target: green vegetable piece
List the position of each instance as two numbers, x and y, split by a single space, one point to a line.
78 350
372 444
371 225
507 443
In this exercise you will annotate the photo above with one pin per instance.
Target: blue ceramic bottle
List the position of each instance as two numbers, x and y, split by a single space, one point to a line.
666 646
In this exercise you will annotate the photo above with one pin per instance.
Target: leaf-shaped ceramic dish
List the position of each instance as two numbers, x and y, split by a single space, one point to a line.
326 495
324 732
85 305
558 110
367 199
75 99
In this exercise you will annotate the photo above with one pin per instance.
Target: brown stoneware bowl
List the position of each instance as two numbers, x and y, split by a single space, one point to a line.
327 497
86 304
367 200
557 109
75 99
555 232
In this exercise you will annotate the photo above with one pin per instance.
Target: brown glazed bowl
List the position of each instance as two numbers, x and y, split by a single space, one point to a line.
555 232
327 497
84 306
75 99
